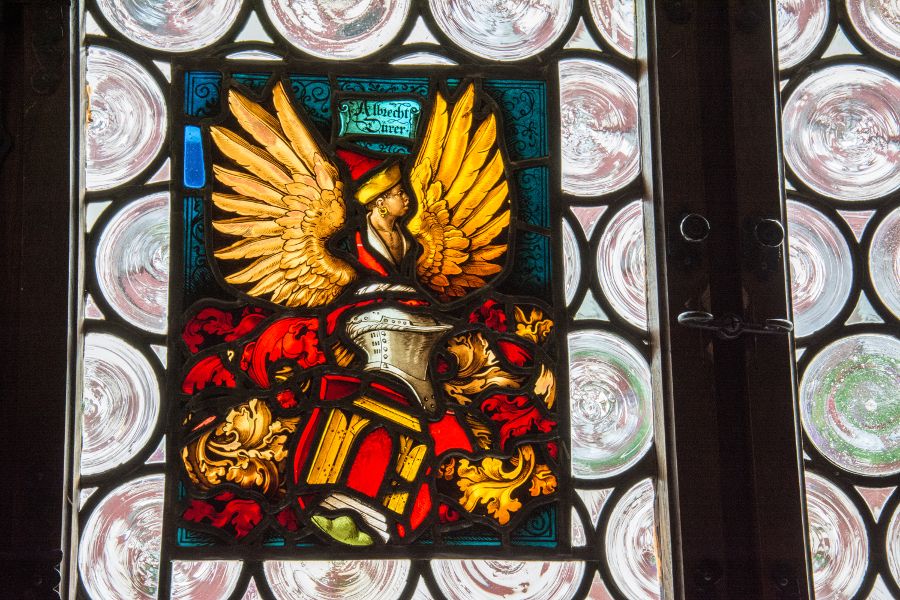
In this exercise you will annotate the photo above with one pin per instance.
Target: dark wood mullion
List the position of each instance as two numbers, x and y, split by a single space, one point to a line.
36 254
774 426
732 488
687 428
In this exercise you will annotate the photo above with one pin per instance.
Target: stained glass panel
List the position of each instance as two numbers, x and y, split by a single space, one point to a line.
369 391
371 278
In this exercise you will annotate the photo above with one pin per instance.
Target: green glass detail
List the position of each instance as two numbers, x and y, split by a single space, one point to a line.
364 116
343 529
850 403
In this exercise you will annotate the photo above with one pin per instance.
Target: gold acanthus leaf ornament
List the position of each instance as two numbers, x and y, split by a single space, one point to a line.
545 387
247 448
493 482
479 369
534 327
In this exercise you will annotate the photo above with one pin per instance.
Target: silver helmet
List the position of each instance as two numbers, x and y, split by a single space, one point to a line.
399 342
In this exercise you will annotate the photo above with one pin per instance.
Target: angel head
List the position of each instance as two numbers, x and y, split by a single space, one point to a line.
383 193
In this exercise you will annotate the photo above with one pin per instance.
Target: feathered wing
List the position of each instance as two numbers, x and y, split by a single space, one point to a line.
462 217
289 201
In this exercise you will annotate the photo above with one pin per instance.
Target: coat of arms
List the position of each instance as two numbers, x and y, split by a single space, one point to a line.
372 373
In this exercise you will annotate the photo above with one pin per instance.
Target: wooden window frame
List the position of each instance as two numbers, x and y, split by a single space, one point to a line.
728 431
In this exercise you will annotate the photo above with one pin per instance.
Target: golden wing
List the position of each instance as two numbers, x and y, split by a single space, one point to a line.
290 201
462 217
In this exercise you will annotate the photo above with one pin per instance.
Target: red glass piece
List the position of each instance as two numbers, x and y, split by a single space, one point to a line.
421 507
515 353
366 259
288 519
447 514
293 338
213 325
553 450
243 515
333 316
517 415
448 435
204 422
371 463
490 313
306 439
335 387
358 164
389 393
413 302
208 372
286 399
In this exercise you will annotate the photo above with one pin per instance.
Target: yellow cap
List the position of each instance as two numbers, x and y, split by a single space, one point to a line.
378 184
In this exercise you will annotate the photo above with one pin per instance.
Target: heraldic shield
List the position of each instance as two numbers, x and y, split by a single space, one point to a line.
369 335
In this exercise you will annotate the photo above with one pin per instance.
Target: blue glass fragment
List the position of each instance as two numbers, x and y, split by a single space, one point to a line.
194 169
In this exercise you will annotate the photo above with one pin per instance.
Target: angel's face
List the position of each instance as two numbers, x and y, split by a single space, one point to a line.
395 201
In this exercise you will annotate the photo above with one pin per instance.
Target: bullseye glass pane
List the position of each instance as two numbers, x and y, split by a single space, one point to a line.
878 23
133 262
600 145
119 552
884 261
173 26
893 545
801 27
615 20
503 29
821 268
337 30
837 539
621 264
841 126
610 404
337 580
572 261
630 538
126 118
120 403
850 403
502 580
204 579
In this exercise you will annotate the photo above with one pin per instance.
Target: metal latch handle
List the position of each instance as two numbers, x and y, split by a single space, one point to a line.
729 326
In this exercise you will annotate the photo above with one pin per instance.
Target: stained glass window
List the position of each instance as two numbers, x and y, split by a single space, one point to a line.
841 123
365 305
